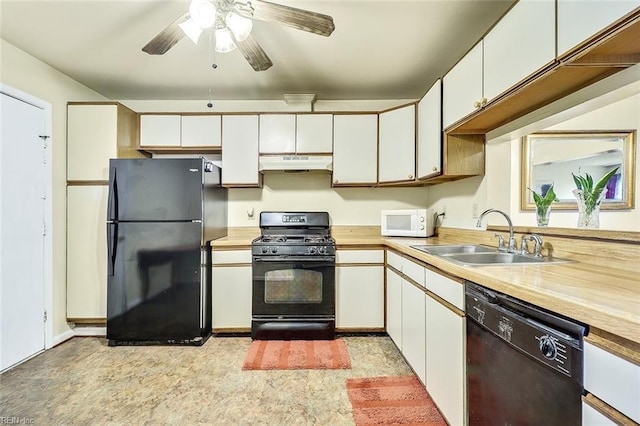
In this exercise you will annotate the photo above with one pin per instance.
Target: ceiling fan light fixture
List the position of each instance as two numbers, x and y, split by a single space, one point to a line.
203 13
224 41
191 30
239 25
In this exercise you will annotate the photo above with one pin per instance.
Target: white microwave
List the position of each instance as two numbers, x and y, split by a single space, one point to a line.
407 223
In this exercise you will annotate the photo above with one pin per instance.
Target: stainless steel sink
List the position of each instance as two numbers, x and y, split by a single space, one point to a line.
443 250
476 255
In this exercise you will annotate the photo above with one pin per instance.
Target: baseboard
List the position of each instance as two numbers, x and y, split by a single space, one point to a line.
90 331
62 337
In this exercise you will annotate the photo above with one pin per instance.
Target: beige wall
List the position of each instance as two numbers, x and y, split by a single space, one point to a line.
312 191
23 72
500 187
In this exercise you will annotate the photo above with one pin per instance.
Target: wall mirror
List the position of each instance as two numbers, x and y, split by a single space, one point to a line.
551 157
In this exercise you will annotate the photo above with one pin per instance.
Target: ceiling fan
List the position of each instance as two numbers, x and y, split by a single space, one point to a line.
232 24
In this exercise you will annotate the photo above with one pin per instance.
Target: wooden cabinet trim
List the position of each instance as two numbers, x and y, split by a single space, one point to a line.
616 345
87 183
607 411
444 303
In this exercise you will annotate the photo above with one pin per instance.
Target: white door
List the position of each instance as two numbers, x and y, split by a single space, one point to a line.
22 218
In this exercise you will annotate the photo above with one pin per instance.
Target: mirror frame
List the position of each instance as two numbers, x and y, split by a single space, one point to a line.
628 166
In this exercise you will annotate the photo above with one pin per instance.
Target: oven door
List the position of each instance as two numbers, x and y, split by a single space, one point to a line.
293 287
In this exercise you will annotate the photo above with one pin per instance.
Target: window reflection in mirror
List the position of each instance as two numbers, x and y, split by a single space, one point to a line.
551 158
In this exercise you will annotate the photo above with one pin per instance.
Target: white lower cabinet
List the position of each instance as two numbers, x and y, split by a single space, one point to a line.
232 281
413 327
87 252
359 297
612 379
394 307
445 371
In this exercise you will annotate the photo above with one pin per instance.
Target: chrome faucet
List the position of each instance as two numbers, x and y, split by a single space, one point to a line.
512 239
537 249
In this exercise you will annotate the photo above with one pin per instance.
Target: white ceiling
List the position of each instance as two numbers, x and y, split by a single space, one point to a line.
379 50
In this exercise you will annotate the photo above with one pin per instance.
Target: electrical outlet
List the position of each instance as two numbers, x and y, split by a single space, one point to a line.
474 212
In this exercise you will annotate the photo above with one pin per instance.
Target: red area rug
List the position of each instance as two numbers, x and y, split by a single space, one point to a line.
297 355
398 400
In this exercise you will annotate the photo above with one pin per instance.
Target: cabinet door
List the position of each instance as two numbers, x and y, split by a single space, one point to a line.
462 87
160 130
87 252
397 161
277 133
592 417
201 130
429 141
240 150
314 133
355 149
521 43
232 297
579 20
446 360
360 297
413 328
394 307
92 139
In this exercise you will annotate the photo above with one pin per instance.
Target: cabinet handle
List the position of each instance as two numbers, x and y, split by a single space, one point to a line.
410 176
484 102
335 181
476 104
435 168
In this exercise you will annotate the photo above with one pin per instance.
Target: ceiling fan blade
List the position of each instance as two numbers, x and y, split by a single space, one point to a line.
299 19
167 38
254 54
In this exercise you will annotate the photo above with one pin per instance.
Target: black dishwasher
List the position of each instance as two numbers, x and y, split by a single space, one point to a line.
524 364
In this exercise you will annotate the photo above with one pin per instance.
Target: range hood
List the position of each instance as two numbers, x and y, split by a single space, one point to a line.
295 162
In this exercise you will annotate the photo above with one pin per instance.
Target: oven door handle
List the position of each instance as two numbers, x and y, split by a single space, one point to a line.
305 259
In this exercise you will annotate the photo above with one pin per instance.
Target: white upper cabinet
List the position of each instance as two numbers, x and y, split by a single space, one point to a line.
240 150
520 44
314 133
201 130
462 87
429 141
579 20
159 130
296 134
355 149
180 131
277 133
92 132
397 160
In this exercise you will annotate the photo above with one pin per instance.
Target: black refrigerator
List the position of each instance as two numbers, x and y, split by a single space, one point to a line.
161 216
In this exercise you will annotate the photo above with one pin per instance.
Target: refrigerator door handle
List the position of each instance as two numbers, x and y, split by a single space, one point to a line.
112 247
112 203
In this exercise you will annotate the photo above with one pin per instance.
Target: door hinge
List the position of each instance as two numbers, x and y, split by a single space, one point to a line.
44 137
44 229
45 316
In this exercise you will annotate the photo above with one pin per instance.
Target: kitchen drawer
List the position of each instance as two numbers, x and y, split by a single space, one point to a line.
593 417
446 288
231 256
414 271
360 256
613 380
394 260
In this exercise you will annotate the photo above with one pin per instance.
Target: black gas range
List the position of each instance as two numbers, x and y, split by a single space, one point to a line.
293 268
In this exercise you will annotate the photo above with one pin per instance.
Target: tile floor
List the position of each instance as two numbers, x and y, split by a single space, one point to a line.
85 382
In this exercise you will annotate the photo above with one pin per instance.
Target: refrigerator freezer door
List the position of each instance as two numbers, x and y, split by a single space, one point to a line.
156 291
156 189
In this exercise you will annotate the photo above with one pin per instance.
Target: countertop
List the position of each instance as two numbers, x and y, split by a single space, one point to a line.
606 298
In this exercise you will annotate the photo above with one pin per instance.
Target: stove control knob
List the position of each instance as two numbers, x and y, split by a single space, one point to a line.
322 250
312 250
264 250
548 347
274 250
